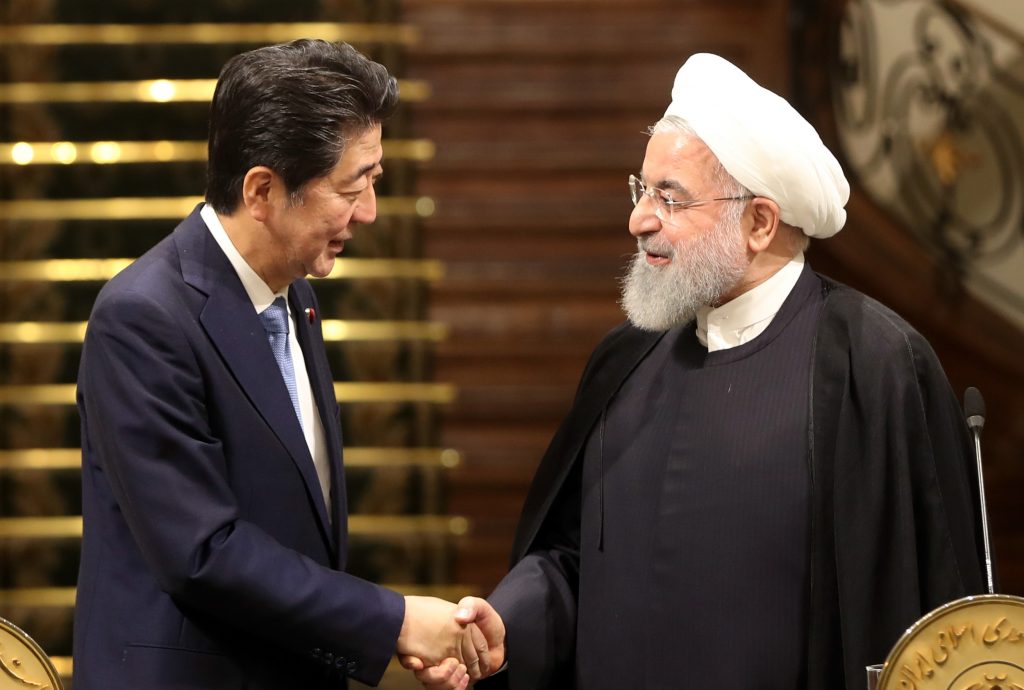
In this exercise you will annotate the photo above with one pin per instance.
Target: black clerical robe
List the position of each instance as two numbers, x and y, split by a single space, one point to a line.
893 527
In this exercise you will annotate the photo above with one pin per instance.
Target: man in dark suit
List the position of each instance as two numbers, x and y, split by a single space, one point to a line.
214 544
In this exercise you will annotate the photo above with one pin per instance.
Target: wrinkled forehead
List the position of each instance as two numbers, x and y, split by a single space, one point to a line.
677 160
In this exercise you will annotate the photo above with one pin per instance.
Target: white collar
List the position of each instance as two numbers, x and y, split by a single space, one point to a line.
259 292
744 318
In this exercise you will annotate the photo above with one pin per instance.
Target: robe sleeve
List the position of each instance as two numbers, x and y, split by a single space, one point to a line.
892 447
537 599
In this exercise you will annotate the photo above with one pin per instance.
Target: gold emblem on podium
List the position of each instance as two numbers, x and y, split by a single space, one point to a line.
974 643
23 664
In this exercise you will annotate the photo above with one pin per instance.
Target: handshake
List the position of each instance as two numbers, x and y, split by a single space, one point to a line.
447 646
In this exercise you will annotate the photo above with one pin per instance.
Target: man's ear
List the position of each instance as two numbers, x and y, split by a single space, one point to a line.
258 192
766 216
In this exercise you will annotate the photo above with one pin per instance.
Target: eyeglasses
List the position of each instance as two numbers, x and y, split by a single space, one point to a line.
664 204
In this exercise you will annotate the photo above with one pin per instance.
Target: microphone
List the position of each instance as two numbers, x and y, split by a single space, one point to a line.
974 409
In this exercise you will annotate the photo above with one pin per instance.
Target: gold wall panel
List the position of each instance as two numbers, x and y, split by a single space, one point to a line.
335 330
68 270
51 459
205 33
146 91
64 665
440 393
161 208
60 597
70 526
346 392
162 151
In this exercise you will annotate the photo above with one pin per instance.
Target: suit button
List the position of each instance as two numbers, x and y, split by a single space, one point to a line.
351 667
315 653
328 658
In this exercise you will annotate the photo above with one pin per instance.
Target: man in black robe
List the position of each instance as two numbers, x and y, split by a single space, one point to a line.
764 478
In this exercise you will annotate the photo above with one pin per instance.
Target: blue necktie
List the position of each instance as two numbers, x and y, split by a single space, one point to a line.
275 322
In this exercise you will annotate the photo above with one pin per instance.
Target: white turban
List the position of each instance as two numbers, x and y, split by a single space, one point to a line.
763 142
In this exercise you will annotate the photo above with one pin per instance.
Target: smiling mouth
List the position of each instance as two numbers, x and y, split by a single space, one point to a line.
655 255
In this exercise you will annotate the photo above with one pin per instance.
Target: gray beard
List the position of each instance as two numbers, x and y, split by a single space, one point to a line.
702 271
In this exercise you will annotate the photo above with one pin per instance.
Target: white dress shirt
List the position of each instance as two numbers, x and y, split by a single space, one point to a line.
746 317
262 297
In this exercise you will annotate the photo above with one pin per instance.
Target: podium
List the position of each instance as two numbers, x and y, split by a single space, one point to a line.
23 664
974 643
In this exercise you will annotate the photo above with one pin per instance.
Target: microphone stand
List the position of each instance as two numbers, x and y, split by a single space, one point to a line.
974 407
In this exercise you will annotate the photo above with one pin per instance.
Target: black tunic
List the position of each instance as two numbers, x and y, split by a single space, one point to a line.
893 528
699 469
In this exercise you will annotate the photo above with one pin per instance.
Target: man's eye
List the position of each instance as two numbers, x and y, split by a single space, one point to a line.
664 197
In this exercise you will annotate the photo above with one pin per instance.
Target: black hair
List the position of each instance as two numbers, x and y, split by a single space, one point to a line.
291 107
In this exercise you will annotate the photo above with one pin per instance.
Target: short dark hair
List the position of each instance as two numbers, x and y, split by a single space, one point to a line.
291 107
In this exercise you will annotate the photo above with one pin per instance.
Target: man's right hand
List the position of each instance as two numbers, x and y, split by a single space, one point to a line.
430 631
483 649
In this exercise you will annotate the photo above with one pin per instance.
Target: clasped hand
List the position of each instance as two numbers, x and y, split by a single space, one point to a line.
447 646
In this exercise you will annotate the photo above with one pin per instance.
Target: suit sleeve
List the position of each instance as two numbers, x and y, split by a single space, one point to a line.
142 391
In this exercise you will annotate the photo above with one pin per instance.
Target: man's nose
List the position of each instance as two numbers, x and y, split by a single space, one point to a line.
643 221
366 207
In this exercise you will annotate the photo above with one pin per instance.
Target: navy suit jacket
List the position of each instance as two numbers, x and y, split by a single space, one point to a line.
208 559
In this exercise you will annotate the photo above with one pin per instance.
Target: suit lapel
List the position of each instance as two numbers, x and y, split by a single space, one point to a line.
311 341
235 330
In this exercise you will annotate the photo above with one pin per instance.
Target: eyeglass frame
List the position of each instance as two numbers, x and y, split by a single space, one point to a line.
666 206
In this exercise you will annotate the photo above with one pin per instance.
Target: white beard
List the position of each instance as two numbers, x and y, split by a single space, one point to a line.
701 271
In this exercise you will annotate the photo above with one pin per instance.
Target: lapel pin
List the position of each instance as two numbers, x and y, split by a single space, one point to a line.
311 314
